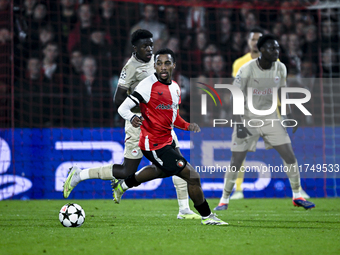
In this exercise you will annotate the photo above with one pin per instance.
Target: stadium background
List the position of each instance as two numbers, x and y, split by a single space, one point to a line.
54 113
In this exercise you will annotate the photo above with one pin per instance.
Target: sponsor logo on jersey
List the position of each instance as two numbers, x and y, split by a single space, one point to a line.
267 91
166 107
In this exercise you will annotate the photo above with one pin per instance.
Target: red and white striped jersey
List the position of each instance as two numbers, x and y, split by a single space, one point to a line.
159 103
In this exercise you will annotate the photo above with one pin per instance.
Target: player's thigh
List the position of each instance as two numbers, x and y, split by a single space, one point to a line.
131 148
167 159
274 134
244 144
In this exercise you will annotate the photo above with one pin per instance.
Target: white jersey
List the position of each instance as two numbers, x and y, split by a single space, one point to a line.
262 83
134 72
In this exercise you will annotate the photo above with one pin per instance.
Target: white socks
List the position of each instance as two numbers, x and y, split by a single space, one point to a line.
102 172
182 192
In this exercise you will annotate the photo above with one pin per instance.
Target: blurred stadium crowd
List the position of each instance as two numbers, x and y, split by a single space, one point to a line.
61 59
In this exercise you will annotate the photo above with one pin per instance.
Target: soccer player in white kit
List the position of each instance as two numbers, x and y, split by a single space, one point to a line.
263 74
138 67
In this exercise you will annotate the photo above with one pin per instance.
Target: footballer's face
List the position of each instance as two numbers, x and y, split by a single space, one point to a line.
252 41
144 49
270 50
164 66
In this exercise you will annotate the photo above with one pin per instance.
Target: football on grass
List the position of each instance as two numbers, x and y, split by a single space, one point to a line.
71 215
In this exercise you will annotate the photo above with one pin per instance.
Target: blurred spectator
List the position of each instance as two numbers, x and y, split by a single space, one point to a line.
218 66
288 23
66 19
115 31
38 102
99 47
76 60
5 35
308 69
286 8
330 63
52 69
224 35
210 49
196 53
284 41
82 29
196 18
329 34
207 66
311 44
245 9
45 34
159 30
237 48
294 55
278 29
29 7
300 31
171 21
89 100
251 21
35 22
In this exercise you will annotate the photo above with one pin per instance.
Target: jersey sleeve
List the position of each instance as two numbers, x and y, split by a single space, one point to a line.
127 76
283 81
241 78
144 89
180 122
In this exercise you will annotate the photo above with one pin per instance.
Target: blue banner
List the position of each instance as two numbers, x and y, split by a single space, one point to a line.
34 163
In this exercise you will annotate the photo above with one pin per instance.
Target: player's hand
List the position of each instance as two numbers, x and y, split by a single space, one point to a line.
194 127
242 131
291 123
136 121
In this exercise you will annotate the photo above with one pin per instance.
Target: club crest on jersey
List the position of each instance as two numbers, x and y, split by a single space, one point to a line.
180 163
134 152
177 91
276 79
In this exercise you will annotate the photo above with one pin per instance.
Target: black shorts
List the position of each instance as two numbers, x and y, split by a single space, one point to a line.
167 159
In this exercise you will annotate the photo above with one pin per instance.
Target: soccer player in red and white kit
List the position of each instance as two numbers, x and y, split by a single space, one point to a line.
159 98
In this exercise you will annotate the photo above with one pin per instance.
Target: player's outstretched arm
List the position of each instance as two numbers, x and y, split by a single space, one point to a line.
182 124
124 110
120 96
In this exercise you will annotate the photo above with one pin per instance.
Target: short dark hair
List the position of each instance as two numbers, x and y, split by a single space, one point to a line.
166 51
140 34
263 39
256 30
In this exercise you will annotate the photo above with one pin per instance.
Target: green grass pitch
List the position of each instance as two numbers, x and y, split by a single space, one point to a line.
256 226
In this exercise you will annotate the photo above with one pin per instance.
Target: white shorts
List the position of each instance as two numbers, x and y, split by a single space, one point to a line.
131 149
273 134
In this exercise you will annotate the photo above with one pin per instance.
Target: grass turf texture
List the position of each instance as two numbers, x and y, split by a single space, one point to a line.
256 226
